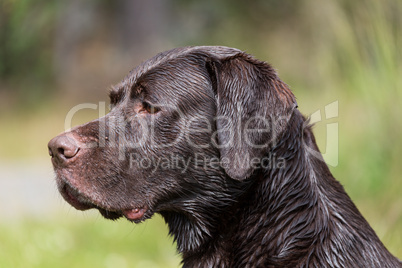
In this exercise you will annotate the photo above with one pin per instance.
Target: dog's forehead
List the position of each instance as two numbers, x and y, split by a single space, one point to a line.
218 52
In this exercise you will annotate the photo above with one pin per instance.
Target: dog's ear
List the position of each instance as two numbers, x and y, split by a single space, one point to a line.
253 108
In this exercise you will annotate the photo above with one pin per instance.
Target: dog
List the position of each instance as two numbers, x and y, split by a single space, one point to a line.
211 139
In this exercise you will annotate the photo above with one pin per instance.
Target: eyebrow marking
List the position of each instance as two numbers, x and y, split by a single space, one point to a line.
116 94
137 88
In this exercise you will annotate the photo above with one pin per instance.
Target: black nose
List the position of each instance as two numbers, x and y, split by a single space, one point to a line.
63 148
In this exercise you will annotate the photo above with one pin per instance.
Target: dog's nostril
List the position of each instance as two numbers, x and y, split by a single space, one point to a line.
69 152
60 151
63 147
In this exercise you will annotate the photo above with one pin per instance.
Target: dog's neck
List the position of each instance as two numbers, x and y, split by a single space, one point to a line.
306 212
297 214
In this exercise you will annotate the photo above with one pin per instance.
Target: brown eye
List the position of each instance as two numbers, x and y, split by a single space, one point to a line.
149 108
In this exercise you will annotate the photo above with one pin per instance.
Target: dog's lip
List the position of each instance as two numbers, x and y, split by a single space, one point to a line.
74 198
134 214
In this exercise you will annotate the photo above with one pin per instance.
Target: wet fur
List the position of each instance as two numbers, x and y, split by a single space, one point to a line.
230 215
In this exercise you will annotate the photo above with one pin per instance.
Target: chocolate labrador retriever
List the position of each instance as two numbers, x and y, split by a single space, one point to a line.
211 139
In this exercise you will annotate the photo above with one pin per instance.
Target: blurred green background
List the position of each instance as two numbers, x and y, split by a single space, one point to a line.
57 54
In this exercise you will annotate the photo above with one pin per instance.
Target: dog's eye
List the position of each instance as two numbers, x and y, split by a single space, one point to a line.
149 108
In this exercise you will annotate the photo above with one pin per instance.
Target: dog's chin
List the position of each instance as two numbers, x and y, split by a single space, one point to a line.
110 215
79 202
74 198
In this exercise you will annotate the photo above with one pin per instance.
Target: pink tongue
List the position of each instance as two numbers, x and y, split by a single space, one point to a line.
134 214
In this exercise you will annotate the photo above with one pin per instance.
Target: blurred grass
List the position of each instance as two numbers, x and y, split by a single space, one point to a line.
330 51
78 242
27 132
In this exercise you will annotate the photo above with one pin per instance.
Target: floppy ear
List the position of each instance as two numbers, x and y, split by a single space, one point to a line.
253 108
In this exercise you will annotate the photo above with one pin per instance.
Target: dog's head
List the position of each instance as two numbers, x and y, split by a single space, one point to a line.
183 126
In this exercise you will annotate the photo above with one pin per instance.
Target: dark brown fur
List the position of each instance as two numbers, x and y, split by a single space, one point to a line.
227 118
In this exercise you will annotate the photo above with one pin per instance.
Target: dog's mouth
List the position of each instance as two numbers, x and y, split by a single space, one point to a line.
74 198
78 201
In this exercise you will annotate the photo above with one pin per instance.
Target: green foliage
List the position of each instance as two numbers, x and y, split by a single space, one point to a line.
26 28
